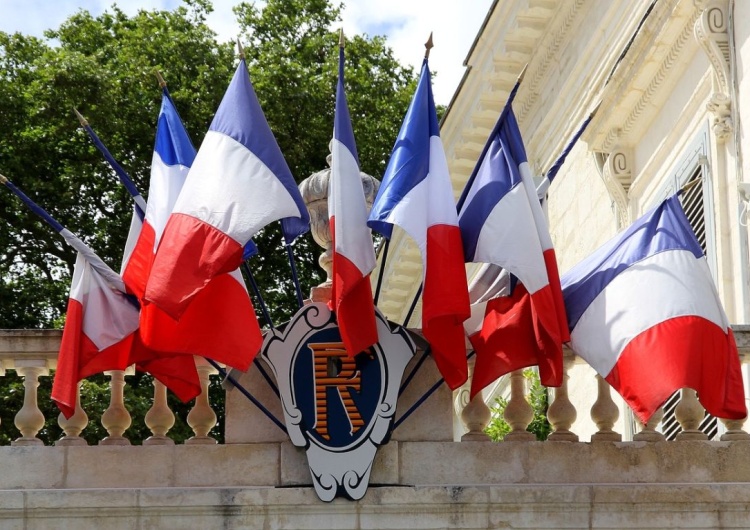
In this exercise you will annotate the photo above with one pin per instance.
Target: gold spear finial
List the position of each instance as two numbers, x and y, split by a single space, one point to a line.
83 121
691 184
591 114
341 38
3 180
523 73
428 46
162 83
240 49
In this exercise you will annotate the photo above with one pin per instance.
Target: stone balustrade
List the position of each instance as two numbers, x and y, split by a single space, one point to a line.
420 479
32 354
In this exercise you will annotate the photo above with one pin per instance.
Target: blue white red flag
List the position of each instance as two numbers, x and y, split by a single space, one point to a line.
239 183
222 308
502 223
100 327
416 194
645 314
354 254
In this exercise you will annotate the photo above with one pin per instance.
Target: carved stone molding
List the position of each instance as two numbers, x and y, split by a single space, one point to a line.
712 33
617 174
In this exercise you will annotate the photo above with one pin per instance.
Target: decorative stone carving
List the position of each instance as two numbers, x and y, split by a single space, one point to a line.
30 420
116 419
314 190
648 431
617 174
604 413
712 33
519 412
74 426
202 417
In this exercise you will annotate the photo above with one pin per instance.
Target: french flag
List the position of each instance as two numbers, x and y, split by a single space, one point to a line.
644 313
101 325
354 254
238 183
502 223
222 308
416 194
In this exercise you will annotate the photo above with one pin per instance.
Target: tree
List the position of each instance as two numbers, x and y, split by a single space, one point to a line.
104 66
537 397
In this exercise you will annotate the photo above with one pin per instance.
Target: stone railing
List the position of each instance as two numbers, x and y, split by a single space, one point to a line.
32 354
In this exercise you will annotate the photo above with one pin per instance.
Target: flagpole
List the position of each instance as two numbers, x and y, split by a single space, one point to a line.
424 398
225 375
555 168
74 241
256 290
295 279
495 130
381 270
140 203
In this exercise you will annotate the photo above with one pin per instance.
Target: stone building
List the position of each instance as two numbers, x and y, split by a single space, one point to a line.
668 79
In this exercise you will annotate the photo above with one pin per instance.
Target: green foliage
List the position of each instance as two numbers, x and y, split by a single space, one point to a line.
104 66
537 397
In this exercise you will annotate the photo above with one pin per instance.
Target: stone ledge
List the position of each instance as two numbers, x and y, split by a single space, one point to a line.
518 506
409 464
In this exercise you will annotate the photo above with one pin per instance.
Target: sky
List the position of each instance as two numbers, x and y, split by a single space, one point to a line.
406 24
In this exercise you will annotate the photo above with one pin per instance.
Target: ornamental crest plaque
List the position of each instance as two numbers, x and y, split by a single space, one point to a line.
340 409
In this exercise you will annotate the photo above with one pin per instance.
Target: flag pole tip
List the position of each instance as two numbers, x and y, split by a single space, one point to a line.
599 104
81 119
428 46
162 83
523 73
341 38
3 179
240 49
688 186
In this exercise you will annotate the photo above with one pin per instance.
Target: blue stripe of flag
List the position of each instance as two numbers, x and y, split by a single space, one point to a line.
240 117
498 174
662 229
410 160
172 141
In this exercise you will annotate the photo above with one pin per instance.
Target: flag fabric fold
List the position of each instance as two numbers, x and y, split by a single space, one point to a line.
223 308
416 194
100 326
502 223
644 313
238 183
354 254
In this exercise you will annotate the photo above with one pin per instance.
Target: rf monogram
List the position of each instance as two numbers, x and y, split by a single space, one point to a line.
334 368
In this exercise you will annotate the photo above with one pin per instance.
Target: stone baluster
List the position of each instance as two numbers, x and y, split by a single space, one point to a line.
518 413
604 413
561 413
734 431
116 419
30 420
73 426
159 418
689 414
476 415
648 430
201 417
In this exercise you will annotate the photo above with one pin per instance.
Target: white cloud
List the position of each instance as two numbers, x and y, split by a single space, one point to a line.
406 23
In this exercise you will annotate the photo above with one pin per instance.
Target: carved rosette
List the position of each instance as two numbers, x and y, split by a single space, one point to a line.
712 33
314 190
617 175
